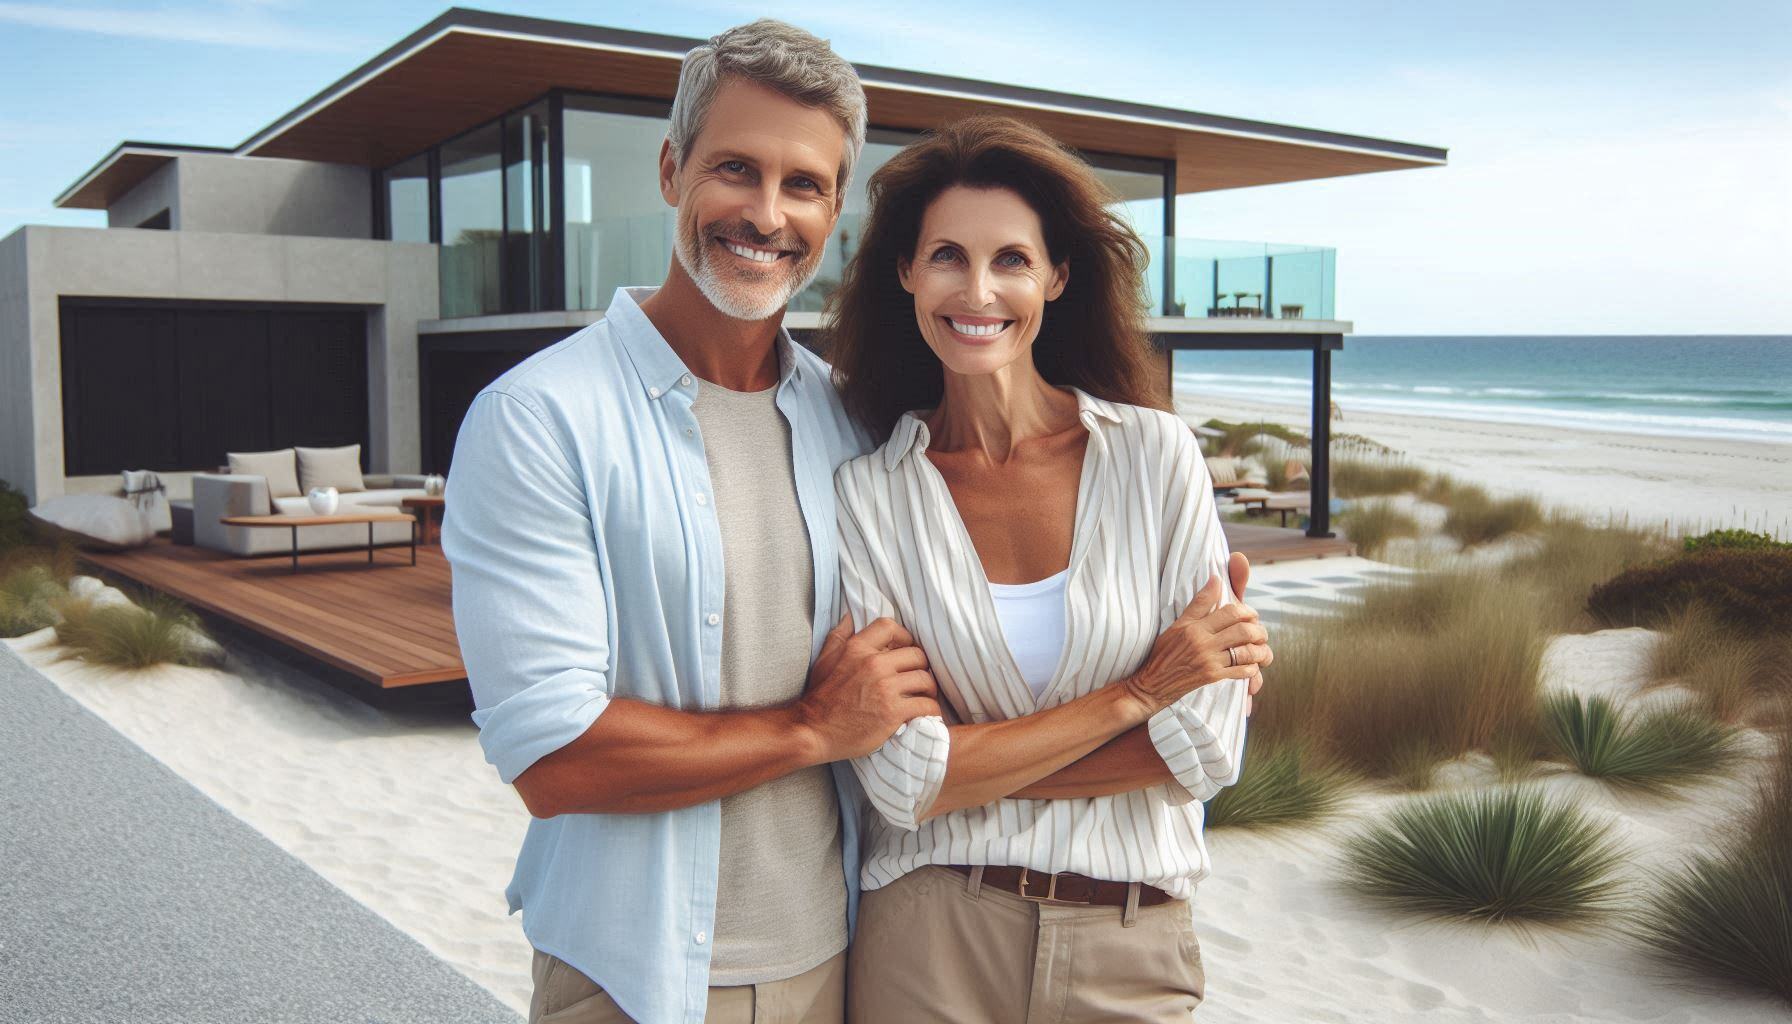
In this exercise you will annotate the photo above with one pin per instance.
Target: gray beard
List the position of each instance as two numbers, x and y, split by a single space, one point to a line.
694 258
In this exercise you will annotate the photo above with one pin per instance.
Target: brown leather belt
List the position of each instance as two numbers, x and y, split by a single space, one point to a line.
1064 887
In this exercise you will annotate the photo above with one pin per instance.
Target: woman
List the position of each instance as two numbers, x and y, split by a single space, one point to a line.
1036 520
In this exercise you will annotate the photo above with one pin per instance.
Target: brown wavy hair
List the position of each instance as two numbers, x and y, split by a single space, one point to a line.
1093 335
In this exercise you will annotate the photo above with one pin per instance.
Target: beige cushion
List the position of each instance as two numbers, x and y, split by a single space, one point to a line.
330 467
277 466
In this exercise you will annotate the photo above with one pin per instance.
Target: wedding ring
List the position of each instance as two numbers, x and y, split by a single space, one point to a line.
1232 652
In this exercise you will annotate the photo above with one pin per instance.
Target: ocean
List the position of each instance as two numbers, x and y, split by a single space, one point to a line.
1712 386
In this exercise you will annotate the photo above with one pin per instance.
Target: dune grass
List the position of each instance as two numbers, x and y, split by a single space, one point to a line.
1417 673
1726 916
1371 524
1740 673
1573 557
1359 475
157 630
1242 438
1506 854
1476 517
1282 783
1657 752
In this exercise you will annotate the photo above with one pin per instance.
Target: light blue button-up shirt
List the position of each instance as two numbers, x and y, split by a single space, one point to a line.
587 563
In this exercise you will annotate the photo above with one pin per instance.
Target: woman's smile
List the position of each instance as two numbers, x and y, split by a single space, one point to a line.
976 330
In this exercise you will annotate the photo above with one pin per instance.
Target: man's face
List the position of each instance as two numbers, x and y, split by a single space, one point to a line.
756 197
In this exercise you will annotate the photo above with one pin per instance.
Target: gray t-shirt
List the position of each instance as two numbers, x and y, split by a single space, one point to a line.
781 896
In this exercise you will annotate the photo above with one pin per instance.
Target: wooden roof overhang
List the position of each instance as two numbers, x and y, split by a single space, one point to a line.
467 67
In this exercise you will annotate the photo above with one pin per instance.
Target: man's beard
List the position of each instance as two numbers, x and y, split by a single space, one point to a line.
737 297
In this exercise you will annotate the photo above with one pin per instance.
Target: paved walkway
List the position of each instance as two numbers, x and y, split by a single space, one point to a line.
128 895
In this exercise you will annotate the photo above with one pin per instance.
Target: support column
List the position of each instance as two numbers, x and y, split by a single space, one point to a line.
1319 516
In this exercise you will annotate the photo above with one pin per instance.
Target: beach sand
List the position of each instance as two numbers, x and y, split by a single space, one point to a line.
399 810
1692 483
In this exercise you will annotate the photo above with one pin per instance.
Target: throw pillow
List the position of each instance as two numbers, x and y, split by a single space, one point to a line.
331 467
277 466
95 521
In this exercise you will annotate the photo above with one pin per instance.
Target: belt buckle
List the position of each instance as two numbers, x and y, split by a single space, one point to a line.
1051 890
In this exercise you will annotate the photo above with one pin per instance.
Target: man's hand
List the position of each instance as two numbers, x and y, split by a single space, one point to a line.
863 687
1207 643
1239 568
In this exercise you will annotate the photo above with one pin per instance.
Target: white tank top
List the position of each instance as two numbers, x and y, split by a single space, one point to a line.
1032 618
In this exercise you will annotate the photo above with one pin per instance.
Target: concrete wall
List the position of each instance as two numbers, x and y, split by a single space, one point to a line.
395 281
17 464
253 196
160 191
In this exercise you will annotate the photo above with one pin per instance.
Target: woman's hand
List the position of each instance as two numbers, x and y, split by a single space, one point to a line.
1207 643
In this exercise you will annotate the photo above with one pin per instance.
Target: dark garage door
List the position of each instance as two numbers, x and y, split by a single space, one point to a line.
174 387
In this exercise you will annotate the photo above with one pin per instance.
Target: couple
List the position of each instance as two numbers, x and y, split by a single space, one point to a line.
948 624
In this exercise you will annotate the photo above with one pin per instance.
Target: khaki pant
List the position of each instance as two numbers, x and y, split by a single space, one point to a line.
563 995
933 946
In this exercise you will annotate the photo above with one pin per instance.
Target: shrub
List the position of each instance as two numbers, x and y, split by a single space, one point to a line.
28 596
15 527
1746 540
1418 672
1727 915
1749 589
1371 524
1511 853
1240 437
1476 517
131 636
1662 750
1281 783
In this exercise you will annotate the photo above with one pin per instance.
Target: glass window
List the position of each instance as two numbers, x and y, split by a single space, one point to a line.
472 223
1139 184
407 200
528 209
618 226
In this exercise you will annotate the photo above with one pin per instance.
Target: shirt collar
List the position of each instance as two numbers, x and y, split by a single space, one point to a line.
911 433
660 369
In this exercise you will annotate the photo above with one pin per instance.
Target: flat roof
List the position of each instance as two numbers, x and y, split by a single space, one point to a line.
467 67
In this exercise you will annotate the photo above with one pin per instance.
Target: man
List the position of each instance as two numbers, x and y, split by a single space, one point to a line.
641 525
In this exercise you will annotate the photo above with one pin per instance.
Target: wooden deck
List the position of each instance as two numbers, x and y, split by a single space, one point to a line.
389 623
392 624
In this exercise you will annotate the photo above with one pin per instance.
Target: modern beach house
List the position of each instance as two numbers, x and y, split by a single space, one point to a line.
359 268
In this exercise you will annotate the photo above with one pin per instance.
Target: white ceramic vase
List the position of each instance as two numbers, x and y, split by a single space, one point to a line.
323 500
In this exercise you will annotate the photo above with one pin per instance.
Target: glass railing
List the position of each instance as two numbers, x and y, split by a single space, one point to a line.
1203 278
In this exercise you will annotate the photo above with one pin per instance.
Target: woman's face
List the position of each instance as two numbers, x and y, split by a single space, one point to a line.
981 278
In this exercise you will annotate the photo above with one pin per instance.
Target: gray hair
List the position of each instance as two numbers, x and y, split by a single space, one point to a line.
778 56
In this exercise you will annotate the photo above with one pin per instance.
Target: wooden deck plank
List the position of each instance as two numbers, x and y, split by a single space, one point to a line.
392 624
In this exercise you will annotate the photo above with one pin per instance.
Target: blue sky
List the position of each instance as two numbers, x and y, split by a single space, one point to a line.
1615 167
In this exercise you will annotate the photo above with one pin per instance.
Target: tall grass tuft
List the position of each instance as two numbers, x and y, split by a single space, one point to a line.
1574 556
1657 752
1738 672
160 630
1476 517
1368 476
1282 783
1417 673
1371 524
1511 853
1726 916
29 593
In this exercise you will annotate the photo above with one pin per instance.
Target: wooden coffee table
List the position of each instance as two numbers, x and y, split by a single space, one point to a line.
293 522
429 523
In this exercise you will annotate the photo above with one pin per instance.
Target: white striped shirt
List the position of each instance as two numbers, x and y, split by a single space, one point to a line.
1146 538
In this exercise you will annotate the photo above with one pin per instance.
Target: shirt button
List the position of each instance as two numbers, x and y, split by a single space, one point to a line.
685 380
653 392
702 499
714 620
702 937
688 432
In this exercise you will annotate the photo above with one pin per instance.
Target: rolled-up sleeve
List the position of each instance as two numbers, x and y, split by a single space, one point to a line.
902 777
1201 736
529 606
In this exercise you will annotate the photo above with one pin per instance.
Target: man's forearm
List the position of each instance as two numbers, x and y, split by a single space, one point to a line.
1127 762
641 758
